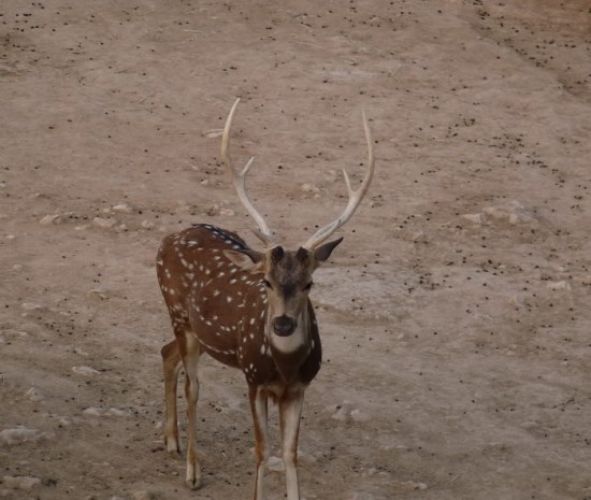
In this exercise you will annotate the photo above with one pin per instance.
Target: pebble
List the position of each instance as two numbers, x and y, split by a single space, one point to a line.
101 293
20 435
30 306
146 224
310 188
21 482
419 237
213 133
85 370
228 212
475 218
50 219
104 223
558 285
93 411
123 208
514 212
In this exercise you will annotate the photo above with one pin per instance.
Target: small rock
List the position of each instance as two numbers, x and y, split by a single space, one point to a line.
228 212
513 212
20 435
30 306
104 223
21 482
123 208
93 412
213 133
146 224
310 188
475 218
17 267
558 285
116 412
419 237
50 219
85 370
101 293
10 237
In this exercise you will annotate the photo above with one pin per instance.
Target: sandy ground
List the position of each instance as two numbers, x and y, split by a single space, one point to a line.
455 317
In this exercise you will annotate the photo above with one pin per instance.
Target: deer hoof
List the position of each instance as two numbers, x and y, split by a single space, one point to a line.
172 447
193 480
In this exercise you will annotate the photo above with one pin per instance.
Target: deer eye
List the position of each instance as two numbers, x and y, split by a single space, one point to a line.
308 286
267 284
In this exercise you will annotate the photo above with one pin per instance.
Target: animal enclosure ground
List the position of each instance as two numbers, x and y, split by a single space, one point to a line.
455 316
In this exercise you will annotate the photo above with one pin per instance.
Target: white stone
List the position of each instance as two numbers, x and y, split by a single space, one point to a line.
475 218
558 285
104 223
20 435
309 188
85 370
146 224
93 412
123 208
50 219
213 133
30 306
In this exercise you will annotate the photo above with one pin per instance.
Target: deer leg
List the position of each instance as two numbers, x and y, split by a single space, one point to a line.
171 361
290 412
259 406
189 349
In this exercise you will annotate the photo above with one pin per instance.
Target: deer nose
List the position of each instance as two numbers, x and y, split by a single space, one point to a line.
284 325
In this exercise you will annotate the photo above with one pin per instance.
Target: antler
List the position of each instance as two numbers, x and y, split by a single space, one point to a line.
238 179
355 197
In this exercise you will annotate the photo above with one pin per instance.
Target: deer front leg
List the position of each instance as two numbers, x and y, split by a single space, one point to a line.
259 406
171 361
290 412
190 354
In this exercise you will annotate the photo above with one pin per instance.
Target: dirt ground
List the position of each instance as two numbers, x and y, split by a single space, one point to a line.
455 316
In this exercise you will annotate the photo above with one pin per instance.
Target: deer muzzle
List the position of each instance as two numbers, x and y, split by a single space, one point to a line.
284 325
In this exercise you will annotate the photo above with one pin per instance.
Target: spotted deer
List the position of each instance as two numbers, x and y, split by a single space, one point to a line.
248 309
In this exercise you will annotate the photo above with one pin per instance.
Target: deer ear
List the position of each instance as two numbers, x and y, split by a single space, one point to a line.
322 253
247 260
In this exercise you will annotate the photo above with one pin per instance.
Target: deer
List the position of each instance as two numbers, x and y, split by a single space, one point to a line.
249 309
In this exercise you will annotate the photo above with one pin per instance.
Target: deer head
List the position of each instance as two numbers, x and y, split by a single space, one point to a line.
287 275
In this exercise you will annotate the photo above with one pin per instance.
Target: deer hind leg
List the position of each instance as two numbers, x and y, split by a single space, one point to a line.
189 351
259 407
290 412
171 362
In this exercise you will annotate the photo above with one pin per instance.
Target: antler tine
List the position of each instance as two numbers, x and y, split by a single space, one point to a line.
238 180
355 196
